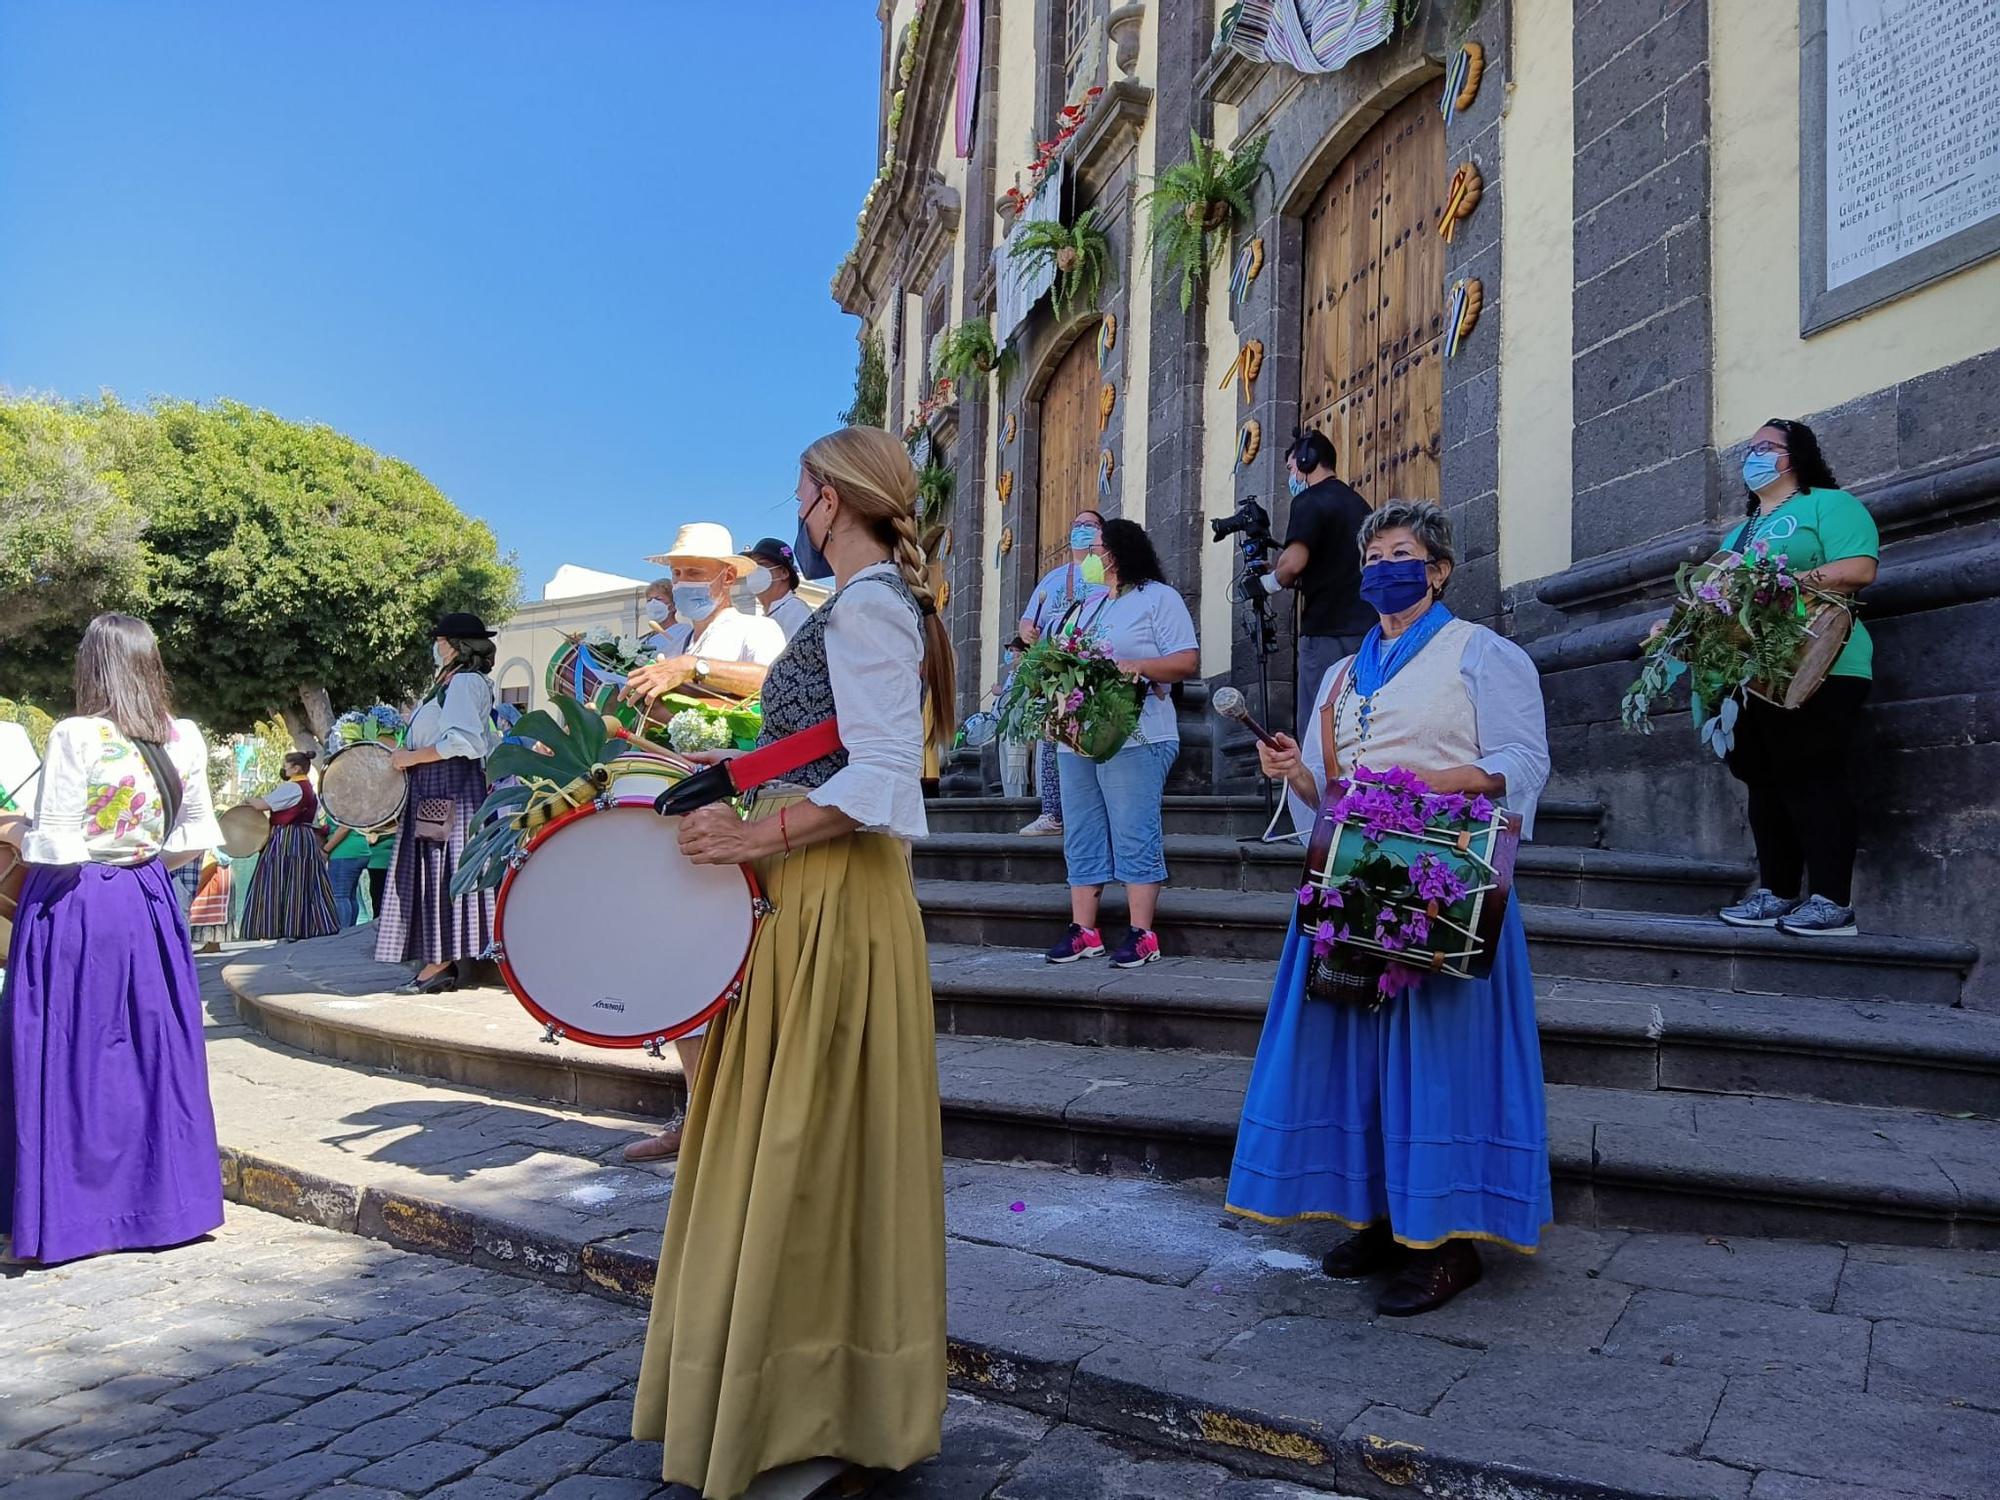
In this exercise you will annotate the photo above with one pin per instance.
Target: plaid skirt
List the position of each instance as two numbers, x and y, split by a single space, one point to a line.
419 922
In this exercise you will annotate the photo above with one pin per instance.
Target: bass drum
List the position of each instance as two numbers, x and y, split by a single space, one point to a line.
360 788
609 934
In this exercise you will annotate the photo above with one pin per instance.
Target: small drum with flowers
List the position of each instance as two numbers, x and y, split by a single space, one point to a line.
1399 876
361 787
610 936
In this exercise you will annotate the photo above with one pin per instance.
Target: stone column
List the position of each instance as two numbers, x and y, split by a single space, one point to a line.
1643 461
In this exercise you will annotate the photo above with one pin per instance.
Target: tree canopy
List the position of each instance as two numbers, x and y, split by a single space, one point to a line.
284 566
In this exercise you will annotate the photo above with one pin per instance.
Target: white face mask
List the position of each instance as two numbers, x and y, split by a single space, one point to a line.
656 609
439 654
758 581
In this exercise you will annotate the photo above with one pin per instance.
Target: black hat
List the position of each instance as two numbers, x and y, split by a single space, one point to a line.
776 554
460 626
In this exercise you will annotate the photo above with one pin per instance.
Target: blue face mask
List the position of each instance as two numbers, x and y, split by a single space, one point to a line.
693 601
1295 484
1759 470
1392 587
806 556
1082 538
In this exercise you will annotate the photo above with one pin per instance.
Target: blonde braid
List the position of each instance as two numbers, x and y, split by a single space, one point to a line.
910 559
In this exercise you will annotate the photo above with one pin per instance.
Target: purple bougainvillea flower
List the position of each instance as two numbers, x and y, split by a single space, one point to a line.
1307 894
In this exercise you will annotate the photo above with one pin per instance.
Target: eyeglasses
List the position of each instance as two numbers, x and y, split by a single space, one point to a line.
1767 447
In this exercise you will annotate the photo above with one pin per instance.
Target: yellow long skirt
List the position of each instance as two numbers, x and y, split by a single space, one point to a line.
799 1308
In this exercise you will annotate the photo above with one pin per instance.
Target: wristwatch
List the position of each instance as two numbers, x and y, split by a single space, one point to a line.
701 669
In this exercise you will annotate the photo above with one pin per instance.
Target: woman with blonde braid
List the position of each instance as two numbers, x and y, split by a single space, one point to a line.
799 1310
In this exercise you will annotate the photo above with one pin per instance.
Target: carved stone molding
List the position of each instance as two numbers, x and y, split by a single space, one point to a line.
1110 135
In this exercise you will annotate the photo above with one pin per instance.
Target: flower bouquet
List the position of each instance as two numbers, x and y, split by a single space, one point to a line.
1401 882
1068 689
1743 623
380 724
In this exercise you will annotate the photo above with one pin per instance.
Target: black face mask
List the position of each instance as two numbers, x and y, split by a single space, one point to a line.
806 556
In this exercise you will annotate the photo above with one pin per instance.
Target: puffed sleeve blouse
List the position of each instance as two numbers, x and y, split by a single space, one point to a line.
874 659
97 803
458 723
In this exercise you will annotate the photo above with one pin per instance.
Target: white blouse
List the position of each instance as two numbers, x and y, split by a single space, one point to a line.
460 723
789 613
97 803
1512 727
874 659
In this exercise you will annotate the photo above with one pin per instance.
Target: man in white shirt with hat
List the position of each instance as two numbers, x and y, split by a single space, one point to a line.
730 650
729 654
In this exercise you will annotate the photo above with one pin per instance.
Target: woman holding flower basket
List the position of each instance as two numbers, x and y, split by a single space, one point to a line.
1098 687
1793 761
1413 1112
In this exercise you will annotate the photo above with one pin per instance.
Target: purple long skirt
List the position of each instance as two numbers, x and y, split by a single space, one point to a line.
109 1138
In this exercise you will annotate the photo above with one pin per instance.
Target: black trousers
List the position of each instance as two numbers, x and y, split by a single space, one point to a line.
378 882
1794 764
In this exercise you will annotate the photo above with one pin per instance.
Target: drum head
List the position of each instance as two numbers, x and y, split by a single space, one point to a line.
610 932
245 830
360 788
1828 629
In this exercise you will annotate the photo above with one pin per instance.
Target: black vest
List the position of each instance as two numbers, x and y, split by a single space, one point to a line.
798 691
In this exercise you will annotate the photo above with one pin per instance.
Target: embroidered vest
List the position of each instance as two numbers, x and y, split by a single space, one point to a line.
1422 720
798 691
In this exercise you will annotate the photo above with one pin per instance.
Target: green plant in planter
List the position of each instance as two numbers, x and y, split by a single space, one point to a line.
967 355
1195 204
1080 254
935 481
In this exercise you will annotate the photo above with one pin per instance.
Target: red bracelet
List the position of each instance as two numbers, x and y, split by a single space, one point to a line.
782 833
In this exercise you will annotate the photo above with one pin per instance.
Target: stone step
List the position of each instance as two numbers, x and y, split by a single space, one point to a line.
1655 1158
1631 1367
1937 1058
1550 875
1575 943
1565 821
1706 1164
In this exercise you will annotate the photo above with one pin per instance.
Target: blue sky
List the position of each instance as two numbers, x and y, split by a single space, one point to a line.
568 257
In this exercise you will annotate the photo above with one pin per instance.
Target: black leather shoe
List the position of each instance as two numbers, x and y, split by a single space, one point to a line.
1432 1278
445 980
1373 1249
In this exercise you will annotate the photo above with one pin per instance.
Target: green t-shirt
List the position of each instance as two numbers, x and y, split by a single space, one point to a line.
1809 531
382 853
354 846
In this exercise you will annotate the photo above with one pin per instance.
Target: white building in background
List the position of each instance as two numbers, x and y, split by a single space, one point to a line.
573 600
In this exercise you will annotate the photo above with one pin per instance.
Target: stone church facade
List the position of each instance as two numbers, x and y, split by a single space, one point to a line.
1648 274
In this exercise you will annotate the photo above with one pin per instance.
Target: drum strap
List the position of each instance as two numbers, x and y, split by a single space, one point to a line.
731 778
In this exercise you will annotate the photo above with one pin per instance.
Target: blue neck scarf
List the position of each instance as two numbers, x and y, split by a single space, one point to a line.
1380 660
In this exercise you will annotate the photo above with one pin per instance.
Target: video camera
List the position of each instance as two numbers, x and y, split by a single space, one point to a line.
1252 523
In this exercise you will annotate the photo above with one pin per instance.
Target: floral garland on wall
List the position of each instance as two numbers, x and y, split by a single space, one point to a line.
897 103
1069 120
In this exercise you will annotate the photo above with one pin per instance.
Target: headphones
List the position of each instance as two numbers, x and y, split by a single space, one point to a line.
1310 450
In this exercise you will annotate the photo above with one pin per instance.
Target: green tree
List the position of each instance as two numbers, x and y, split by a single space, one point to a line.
870 407
286 566
69 532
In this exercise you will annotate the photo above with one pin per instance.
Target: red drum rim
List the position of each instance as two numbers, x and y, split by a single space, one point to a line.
598 1038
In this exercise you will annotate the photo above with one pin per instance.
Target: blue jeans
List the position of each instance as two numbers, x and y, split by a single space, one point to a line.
346 877
1111 815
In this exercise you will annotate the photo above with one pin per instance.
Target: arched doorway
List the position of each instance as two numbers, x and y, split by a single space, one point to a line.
1066 475
1370 373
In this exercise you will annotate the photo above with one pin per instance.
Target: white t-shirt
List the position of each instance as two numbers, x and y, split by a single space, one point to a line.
1150 620
790 613
731 635
671 641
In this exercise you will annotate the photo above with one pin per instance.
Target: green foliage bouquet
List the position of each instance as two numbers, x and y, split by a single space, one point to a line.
1068 689
1739 622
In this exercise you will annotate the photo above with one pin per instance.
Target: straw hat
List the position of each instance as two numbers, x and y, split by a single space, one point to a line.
704 541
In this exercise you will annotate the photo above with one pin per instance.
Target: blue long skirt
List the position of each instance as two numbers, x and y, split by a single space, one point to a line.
1428 1112
107 1139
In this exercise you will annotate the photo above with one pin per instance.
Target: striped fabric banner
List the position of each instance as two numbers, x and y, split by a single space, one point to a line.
1313 36
965 110
1015 290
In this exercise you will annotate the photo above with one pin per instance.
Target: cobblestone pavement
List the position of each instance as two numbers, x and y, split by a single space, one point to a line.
283 1361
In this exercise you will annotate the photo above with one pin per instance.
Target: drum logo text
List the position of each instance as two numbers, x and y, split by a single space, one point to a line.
609 1004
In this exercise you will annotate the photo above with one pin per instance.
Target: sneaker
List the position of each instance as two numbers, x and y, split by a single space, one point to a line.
1758 909
1042 828
1139 948
1082 942
1818 917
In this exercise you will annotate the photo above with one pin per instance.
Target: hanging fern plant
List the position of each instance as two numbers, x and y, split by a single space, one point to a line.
1079 254
967 355
935 481
1195 204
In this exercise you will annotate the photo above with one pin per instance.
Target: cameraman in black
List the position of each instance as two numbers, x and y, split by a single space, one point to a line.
1323 562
